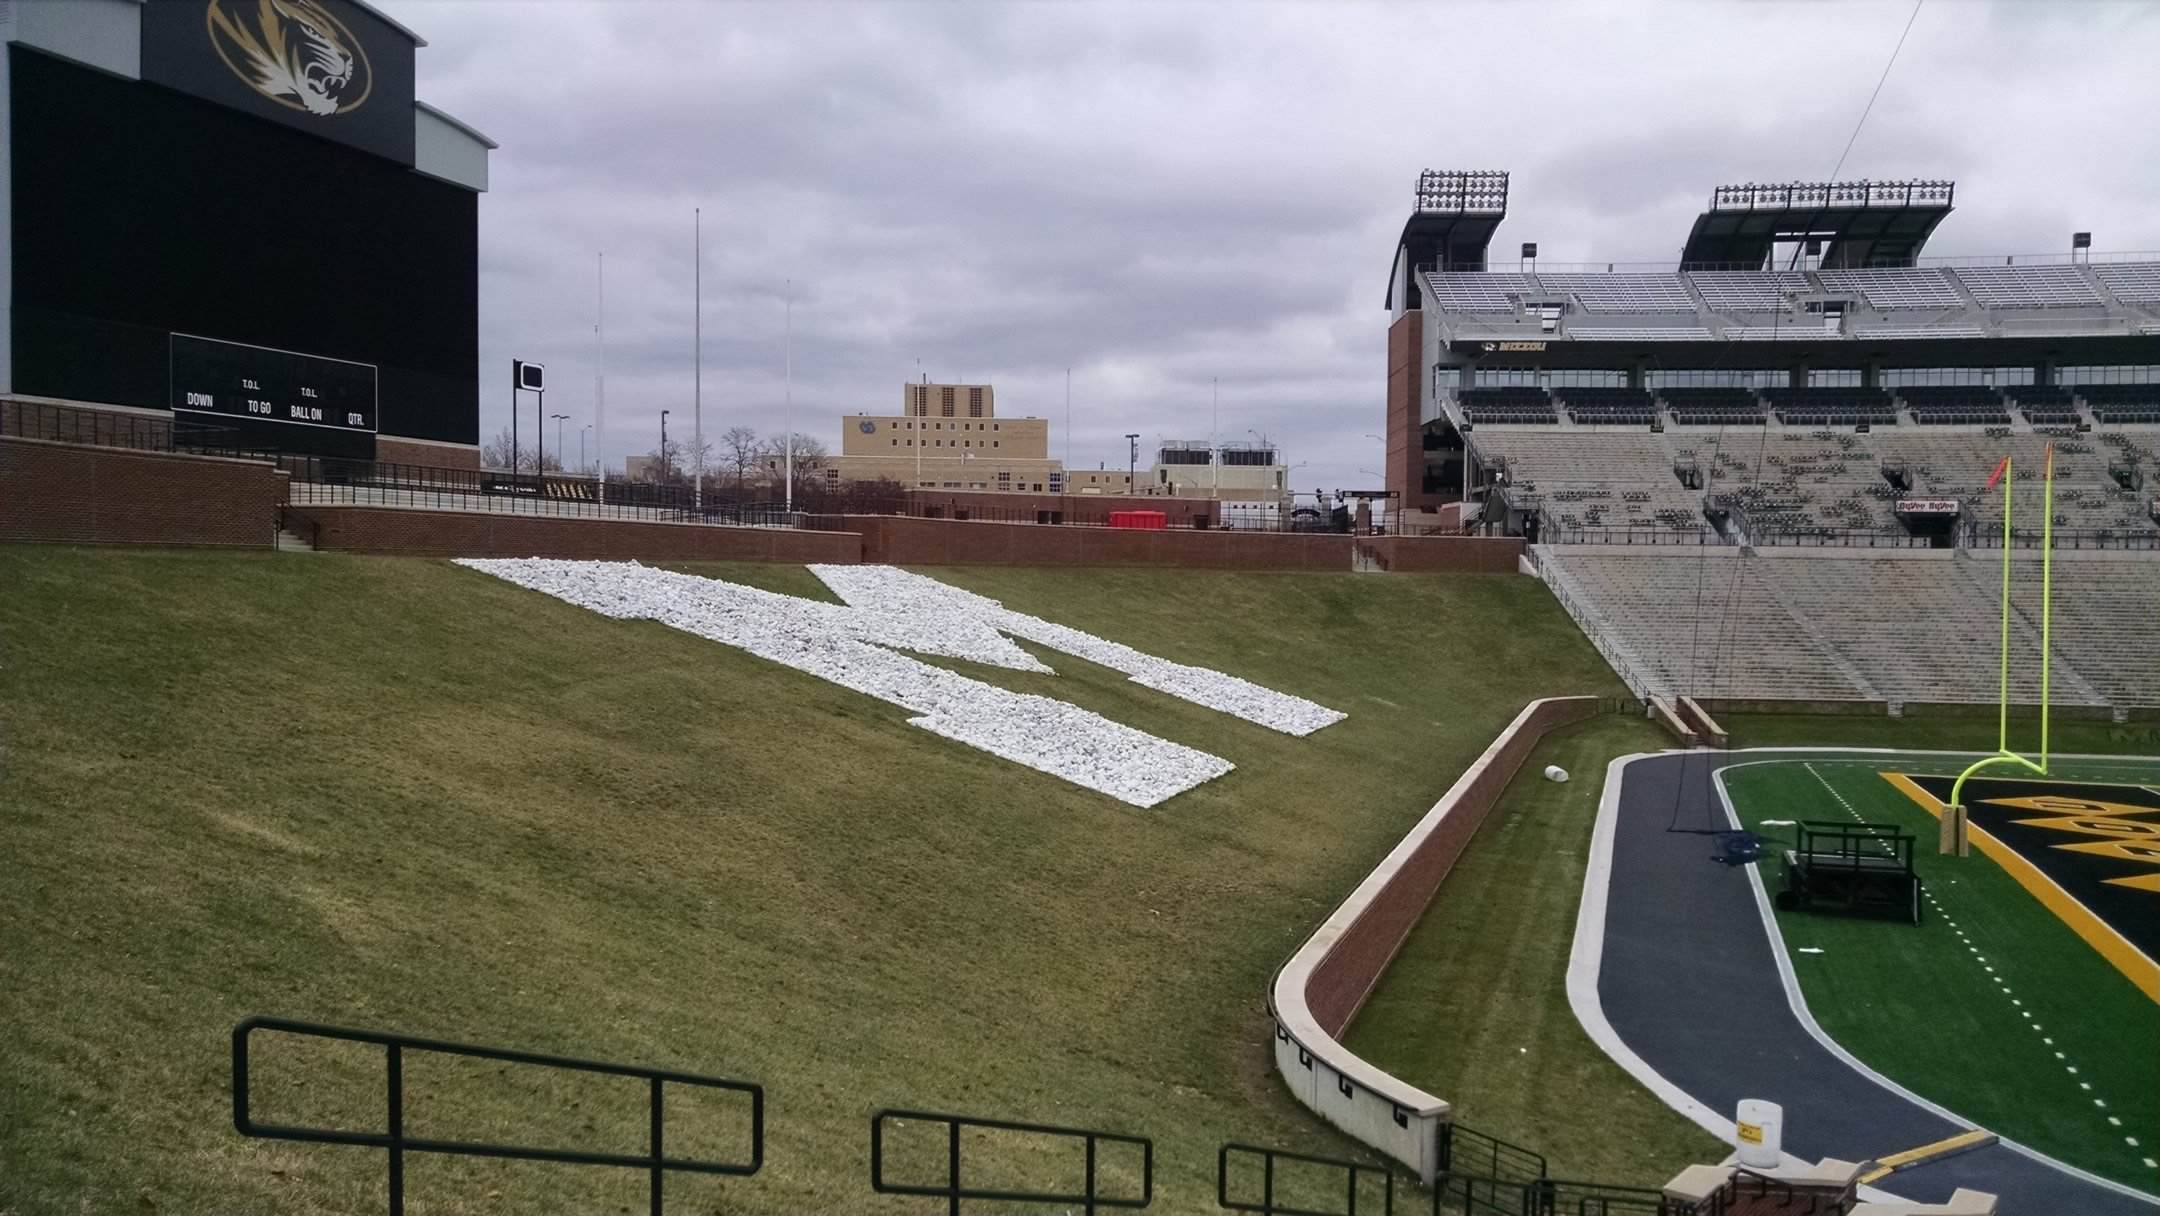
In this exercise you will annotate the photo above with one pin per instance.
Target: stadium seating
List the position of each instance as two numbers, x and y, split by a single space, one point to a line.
1692 621
2137 283
1640 333
1624 292
1459 291
1713 406
1906 333
1832 406
2122 403
1733 291
1893 290
1511 405
1900 625
2029 286
1597 479
1955 404
1608 406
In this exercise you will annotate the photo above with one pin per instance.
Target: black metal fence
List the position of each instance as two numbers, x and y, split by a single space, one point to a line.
1268 1203
114 429
956 1188
395 1143
1465 1150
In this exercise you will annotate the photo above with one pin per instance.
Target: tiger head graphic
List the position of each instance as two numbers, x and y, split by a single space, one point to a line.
294 52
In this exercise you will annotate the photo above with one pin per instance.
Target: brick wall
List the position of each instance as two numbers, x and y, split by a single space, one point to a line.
70 494
1436 554
1405 413
423 452
990 505
942 542
1343 979
479 534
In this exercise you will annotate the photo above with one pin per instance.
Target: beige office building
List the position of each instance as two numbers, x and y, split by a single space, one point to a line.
948 437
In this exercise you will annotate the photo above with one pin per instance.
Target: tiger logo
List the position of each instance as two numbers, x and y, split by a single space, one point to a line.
294 52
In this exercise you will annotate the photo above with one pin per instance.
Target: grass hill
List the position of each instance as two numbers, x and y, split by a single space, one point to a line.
404 795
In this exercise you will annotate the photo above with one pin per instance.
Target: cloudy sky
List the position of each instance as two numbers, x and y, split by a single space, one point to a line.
1160 196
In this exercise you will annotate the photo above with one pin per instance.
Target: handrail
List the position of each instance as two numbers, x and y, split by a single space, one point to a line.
398 1143
953 1190
1267 1205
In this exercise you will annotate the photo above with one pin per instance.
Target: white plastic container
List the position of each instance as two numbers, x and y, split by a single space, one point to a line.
1554 772
1761 1128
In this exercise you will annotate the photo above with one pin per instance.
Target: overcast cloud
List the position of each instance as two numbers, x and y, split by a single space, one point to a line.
1159 195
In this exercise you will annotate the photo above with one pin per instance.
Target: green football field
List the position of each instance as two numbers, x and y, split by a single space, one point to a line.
1994 1007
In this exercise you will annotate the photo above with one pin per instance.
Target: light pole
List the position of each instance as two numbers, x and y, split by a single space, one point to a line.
663 447
581 446
559 448
1132 461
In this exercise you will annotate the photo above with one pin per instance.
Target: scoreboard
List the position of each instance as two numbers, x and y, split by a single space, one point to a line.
259 383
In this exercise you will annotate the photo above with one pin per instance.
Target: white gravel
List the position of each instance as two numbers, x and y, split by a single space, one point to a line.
850 646
889 591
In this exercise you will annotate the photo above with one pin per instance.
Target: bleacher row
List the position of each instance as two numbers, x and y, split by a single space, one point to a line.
1966 405
1904 625
2090 285
1800 479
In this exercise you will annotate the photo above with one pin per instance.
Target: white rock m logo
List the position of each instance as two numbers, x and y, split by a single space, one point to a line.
890 610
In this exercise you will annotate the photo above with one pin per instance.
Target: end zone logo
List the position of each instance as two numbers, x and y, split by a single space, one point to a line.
293 52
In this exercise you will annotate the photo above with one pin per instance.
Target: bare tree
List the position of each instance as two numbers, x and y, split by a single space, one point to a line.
664 463
501 453
739 453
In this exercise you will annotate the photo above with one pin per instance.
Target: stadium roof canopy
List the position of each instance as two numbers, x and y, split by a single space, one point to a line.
1449 228
1855 224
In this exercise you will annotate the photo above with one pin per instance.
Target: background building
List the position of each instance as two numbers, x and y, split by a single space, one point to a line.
238 213
948 437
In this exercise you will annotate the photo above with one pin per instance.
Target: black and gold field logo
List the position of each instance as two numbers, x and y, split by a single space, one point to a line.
294 52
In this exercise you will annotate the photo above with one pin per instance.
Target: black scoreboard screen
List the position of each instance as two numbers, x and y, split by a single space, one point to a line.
241 381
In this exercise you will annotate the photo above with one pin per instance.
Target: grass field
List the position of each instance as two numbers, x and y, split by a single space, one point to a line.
404 795
1475 1007
1945 1015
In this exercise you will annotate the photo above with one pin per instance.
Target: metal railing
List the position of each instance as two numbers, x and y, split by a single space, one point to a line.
1269 1205
1988 536
1467 1150
953 1190
1843 538
115 429
396 1143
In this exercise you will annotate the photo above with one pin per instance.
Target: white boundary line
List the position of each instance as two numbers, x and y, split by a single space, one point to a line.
1586 958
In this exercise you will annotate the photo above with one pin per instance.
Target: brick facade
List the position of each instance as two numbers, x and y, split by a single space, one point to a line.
427 452
1405 463
396 530
69 494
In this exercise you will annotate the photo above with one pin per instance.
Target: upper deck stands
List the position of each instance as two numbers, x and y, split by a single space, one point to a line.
1908 303
2029 287
1893 290
1623 293
1749 290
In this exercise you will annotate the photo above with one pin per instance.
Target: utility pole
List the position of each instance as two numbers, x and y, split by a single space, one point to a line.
663 447
789 407
600 372
697 347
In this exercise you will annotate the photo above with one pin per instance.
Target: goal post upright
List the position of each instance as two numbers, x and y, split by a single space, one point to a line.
1954 817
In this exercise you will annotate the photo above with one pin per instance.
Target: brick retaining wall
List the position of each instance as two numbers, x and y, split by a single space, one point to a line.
396 530
1341 982
71 494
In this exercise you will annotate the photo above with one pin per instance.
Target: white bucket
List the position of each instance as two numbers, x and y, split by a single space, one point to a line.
1554 772
1761 1127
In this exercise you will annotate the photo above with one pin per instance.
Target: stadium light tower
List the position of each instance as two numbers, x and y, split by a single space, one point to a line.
663 447
559 448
